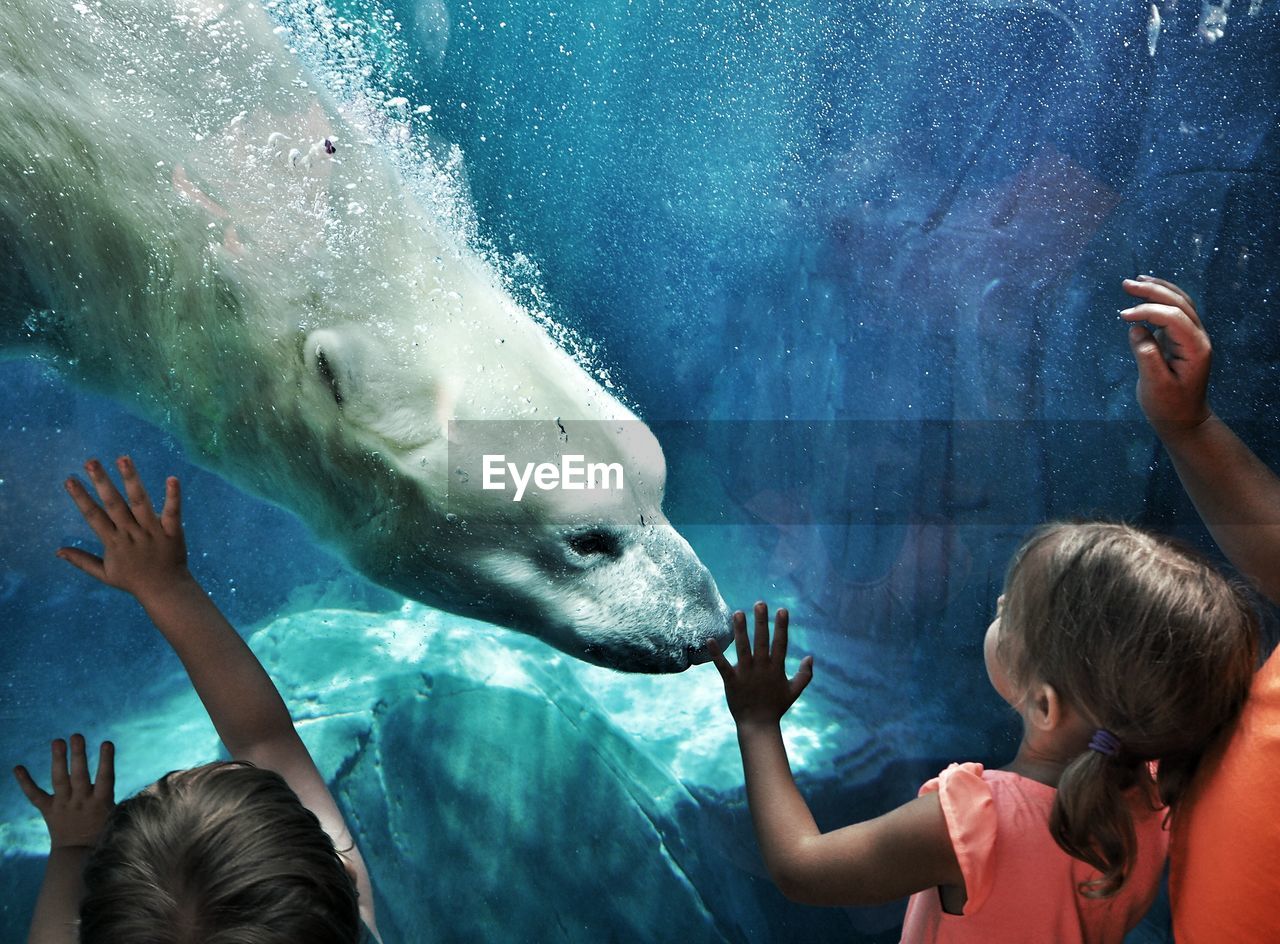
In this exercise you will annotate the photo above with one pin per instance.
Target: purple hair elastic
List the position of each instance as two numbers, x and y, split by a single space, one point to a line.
1104 742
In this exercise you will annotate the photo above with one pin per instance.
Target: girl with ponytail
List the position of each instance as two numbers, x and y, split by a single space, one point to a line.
1124 653
1149 646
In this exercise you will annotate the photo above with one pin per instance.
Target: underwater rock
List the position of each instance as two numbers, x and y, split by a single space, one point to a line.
497 798
514 817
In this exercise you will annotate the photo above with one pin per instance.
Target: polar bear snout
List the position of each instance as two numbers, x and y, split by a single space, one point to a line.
641 600
630 598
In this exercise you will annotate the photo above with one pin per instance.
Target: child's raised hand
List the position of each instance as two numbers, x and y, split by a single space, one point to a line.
1173 360
757 688
141 552
78 808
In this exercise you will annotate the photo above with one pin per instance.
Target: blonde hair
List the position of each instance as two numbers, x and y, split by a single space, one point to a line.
220 854
1146 639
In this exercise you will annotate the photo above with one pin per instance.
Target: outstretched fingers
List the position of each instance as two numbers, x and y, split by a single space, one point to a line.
105 784
112 502
91 564
1162 289
779 651
1183 338
58 774
740 640
1170 317
139 500
757 688
762 631
1163 295
97 519
79 768
171 516
721 663
804 675
35 796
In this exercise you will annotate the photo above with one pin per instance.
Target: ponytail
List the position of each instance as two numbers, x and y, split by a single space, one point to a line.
1092 816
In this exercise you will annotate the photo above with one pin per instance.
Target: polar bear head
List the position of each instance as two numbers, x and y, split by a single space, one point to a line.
505 483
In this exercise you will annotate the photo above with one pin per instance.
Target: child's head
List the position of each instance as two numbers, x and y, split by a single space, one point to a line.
1134 634
224 852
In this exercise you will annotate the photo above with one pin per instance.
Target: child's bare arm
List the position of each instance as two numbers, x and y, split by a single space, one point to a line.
145 555
881 860
75 813
1235 493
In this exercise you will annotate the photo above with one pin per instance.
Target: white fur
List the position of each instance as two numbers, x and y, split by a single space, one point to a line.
172 216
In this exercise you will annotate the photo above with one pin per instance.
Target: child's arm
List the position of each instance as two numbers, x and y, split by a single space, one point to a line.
75 813
1235 493
146 556
904 851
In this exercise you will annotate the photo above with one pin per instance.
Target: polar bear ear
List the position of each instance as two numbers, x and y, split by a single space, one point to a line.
375 389
332 358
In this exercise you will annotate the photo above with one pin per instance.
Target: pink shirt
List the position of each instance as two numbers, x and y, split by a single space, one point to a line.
1021 886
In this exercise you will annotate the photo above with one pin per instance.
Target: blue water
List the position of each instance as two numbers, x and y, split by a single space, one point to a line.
864 261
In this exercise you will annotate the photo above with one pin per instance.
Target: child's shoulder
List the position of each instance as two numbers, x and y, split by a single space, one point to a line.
974 778
975 799
974 786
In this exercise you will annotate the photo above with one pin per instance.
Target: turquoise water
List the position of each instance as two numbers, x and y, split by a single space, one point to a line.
856 264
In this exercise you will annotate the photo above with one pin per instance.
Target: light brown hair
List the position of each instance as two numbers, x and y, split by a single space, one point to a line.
220 854
1145 638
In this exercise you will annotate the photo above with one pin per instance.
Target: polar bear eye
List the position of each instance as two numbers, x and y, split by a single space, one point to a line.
595 542
326 374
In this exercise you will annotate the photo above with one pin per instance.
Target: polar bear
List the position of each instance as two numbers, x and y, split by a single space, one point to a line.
191 226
